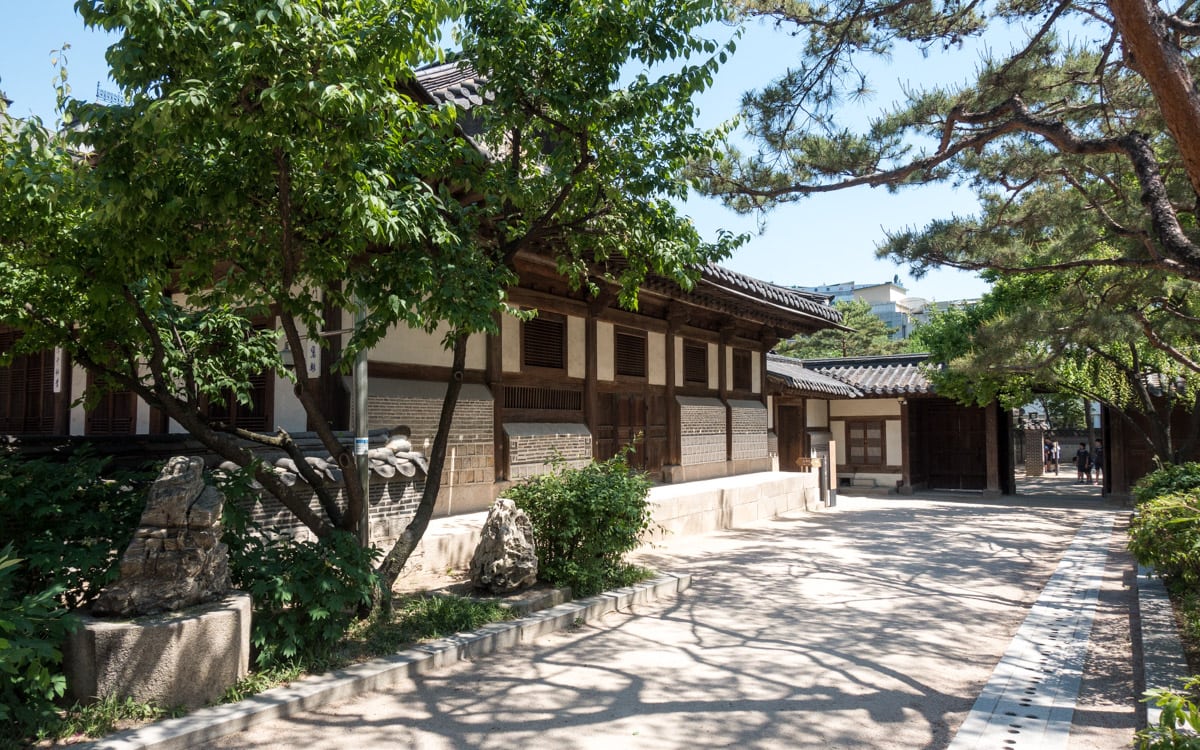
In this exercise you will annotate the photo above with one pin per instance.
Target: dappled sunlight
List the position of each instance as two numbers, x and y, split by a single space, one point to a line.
873 624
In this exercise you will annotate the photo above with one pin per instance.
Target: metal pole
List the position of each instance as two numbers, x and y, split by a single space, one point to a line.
361 440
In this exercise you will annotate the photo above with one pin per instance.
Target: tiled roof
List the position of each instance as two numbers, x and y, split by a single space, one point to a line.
891 375
794 299
453 82
794 374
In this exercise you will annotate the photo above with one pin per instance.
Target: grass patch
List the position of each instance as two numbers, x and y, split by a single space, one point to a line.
417 618
102 718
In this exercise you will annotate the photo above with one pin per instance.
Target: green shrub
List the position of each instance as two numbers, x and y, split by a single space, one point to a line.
32 626
306 593
1165 534
1166 480
1178 723
68 522
585 520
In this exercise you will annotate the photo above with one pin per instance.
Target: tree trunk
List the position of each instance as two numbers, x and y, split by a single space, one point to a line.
1150 51
394 561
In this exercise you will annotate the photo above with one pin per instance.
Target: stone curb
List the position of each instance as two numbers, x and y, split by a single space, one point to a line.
1163 664
208 724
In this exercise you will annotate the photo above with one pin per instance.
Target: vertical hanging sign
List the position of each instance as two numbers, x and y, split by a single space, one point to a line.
58 369
312 356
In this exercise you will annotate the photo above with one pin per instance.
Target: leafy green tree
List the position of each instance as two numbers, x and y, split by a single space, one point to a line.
1080 336
867 335
273 162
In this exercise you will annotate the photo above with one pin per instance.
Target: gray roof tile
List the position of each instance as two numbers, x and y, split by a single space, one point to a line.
793 374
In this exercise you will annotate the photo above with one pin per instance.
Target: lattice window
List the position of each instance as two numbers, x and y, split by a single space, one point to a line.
630 354
551 399
26 390
256 416
544 342
114 414
695 363
742 370
864 442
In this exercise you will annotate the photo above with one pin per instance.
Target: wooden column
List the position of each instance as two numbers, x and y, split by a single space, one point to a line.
905 460
494 378
992 447
675 318
591 371
723 384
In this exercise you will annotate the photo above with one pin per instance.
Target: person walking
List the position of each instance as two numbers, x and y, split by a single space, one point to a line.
1083 465
1097 458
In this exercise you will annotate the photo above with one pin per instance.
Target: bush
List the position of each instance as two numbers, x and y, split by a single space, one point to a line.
67 522
306 593
585 520
1179 722
1166 480
31 628
64 527
1165 534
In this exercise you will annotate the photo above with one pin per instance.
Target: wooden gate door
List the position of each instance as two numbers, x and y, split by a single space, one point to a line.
789 428
622 417
954 446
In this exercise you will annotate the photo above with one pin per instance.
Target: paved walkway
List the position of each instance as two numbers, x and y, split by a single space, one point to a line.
875 624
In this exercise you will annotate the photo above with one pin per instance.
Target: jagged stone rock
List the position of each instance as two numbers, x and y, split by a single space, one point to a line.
176 558
506 559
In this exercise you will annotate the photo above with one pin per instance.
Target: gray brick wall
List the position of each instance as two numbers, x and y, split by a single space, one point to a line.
749 430
470 455
702 431
392 504
532 447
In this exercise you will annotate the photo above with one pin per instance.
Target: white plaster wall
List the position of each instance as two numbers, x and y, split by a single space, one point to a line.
288 414
866 407
893 448
577 347
410 346
839 434
816 412
714 375
656 358
605 369
770 412
78 382
510 337
678 362
756 360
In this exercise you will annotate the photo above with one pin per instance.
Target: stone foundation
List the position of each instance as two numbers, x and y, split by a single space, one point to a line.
178 659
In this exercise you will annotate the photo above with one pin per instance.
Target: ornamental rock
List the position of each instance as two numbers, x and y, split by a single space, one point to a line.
176 559
505 560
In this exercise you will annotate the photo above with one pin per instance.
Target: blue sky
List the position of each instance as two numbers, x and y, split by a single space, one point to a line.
823 239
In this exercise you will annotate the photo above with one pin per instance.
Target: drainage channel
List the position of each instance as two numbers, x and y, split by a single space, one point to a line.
1030 699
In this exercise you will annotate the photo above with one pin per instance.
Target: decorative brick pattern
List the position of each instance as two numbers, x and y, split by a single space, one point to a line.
470 455
393 503
1035 452
701 430
749 429
532 447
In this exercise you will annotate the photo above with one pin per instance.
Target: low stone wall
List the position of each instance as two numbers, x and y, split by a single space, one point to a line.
680 509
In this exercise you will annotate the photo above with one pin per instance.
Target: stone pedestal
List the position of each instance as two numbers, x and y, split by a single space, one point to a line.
182 658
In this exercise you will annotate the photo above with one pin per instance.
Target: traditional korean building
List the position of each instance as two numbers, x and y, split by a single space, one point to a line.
884 425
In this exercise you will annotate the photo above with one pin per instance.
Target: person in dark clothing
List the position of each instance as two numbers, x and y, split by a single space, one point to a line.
1097 461
1083 465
